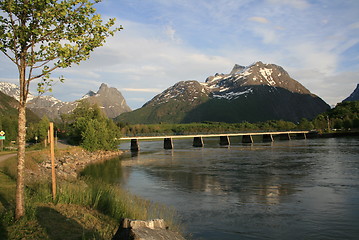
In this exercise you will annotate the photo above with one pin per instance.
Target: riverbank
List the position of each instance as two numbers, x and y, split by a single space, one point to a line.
82 209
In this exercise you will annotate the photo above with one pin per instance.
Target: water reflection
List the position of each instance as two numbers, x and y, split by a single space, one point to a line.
109 171
307 189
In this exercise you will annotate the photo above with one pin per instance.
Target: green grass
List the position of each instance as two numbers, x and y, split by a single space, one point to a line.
82 209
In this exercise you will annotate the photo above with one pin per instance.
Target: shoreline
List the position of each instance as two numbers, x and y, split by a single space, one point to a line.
71 161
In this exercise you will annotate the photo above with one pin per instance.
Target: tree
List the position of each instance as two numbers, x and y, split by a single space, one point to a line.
91 129
38 131
39 36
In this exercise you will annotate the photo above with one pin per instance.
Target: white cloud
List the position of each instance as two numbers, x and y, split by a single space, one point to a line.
259 20
354 25
179 40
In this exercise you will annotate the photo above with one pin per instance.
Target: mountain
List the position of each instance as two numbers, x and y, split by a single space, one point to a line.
110 101
8 108
258 92
354 96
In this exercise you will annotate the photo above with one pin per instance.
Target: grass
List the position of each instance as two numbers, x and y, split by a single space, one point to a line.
84 209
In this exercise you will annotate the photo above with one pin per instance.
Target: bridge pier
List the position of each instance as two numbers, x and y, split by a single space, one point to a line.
224 140
198 142
285 136
267 138
135 147
301 136
247 139
168 143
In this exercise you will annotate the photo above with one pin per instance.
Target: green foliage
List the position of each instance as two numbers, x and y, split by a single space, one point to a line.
8 124
204 127
305 124
37 132
88 127
344 116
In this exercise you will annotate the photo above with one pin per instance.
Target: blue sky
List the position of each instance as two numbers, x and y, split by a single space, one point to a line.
164 42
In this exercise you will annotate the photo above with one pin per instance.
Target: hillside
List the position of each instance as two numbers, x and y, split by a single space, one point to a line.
8 108
354 96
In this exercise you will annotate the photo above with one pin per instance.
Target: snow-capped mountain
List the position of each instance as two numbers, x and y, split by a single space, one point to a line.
257 92
13 90
254 75
354 96
110 101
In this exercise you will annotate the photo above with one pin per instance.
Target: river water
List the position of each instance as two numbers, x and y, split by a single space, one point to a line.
298 189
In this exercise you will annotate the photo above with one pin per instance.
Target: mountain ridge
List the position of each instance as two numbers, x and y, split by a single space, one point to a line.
189 101
109 99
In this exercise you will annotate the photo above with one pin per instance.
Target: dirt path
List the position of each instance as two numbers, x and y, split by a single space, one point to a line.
6 156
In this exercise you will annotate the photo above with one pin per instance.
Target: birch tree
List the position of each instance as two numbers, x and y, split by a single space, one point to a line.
40 36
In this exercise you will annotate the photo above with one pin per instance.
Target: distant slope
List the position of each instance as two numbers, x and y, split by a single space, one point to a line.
254 93
354 96
8 108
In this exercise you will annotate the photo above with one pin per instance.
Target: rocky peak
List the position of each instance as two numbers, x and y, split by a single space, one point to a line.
236 69
109 99
104 89
255 74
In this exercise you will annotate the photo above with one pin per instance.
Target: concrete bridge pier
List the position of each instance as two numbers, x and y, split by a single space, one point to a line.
301 136
247 139
267 138
198 142
135 147
168 143
284 136
224 140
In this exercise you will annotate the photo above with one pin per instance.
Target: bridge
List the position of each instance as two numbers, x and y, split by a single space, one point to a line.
224 138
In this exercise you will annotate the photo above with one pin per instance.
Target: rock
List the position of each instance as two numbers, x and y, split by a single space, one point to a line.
155 229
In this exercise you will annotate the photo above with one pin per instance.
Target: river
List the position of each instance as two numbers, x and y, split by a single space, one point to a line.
298 189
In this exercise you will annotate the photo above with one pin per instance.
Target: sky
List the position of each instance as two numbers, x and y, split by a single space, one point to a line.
164 42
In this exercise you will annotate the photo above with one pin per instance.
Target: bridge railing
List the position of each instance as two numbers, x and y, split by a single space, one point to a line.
155 134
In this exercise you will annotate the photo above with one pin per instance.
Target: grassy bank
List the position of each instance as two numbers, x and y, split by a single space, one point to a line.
81 210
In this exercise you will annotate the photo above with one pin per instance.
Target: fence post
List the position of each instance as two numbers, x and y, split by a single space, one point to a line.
52 155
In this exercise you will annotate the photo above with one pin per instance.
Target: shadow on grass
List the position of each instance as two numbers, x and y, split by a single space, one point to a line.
4 202
3 232
59 227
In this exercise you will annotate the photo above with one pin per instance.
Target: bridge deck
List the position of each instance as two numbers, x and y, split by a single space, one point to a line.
212 135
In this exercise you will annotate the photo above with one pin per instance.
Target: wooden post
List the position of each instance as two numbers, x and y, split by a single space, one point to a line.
52 155
1 144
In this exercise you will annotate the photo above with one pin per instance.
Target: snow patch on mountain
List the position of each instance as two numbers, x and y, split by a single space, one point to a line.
232 95
13 91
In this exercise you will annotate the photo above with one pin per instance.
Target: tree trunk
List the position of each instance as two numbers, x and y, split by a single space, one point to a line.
21 135
20 195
